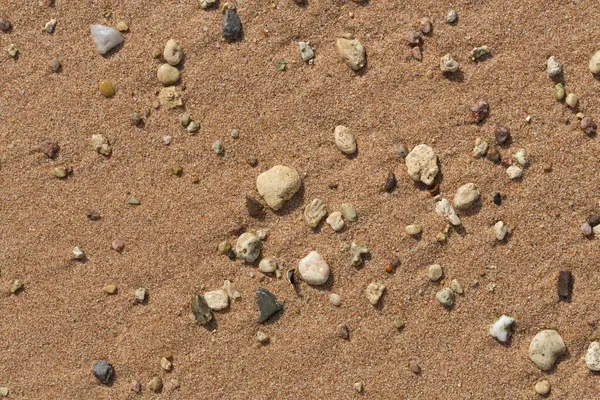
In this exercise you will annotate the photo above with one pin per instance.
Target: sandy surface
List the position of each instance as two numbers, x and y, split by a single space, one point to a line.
52 332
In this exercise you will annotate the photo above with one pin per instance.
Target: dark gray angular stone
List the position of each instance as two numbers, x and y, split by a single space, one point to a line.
267 305
103 371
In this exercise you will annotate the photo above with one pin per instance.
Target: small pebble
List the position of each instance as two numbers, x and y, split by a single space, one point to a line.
480 111
401 151
479 52
173 52
586 229
166 364
358 386
594 64
267 265
235 134
421 164
399 323
336 221
55 65
252 161
542 387
118 245
343 331
435 272
135 119
5 26
185 119
445 297
204 4
481 148
501 329
50 149
444 209
413 38
314 213
414 367
466 196
16 286
592 357
224 247
170 97
253 206
572 100
425 26
156 384
500 230
78 254
262 337
101 145
502 135
105 38
335 299
12 50
134 201
232 25
553 67
416 53
588 126
358 253
201 310
140 295
559 92
167 139
167 74
452 17
136 386
448 65
267 305
59 172
306 52
110 289
344 139
177 170
349 212
4 391
494 156
497 199
193 127
93 216
122 26
50 25
374 292
390 182
247 247
414 229
103 371
456 286
106 88
218 147
564 285
514 172
521 158
277 185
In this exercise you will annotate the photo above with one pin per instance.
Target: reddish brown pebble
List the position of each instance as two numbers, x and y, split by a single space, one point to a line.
507 161
5 26
237 229
588 126
547 168
502 135
565 284
253 206
435 190
135 386
118 245
416 53
413 38
425 25
93 216
414 367
50 149
389 268
493 155
480 111
343 331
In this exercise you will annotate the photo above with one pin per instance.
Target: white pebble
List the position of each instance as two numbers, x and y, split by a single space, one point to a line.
521 158
278 185
313 269
514 172
545 348
140 295
444 209
501 329
306 52
500 230
247 247
217 299
592 357
466 195
335 299
374 292
335 220
78 253
421 164
553 67
267 265
105 38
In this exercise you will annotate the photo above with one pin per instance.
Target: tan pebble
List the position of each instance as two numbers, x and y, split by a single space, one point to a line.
166 364
110 289
542 387
106 88
167 74
122 26
156 384
414 367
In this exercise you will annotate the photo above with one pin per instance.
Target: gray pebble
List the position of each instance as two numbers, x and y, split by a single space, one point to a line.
218 147
55 65
401 151
140 295
445 297
103 371
232 26
201 311
452 17
235 133
267 305
193 127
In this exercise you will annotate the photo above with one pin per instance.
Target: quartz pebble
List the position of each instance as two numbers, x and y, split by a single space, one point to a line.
314 213
173 52
448 65
232 25
267 265
445 297
466 196
314 269
421 164
349 212
481 148
501 329
336 221
594 64
103 371
352 53
247 247
444 209
500 230
592 357
306 52
456 286
514 172
542 387
278 185
335 299
262 337
140 295
217 300
435 272
106 38
452 17
78 254
374 292
545 348
344 139
413 229
167 74
267 305
553 67
202 312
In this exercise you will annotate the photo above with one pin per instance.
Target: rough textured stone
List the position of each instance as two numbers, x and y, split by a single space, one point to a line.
501 329
173 52
445 297
103 371
336 221
344 139
232 25
553 67
444 209
278 185
248 247
374 292
421 164
170 97
592 357
352 53
448 65
545 348
314 213
466 196
217 299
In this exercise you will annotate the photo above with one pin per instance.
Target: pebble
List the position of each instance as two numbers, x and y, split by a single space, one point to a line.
335 299
247 247
452 17
60 172
5 26
135 119
480 111
349 212
122 26
106 88
252 161
374 292
185 119
413 38
456 286
170 97
218 147
592 357
501 329
136 386
93 216
514 172
593 220
50 25
399 323
314 213
435 272
500 230
134 201
278 185
588 126
314 269
414 229
267 305
232 26
352 53
177 170
445 297
559 92
344 139
542 387
481 148
494 156
12 50
553 67
425 26
193 127
166 364
336 221
117 245
78 254
594 64
444 209
390 182
545 348
479 52
204 4
502 135
586 229
235 133
416 53
466 196
173 52
105 37
16 286
343 331
448 65
358 386
224 247
217 300
50 149
156 384
253 206
267 265
421 164
110 289
521 158
201 310
262 337
572 100
306 52
167 74
103 371
140 295
401 151
55 65
4 391
171 385
414 367
564 285
358 253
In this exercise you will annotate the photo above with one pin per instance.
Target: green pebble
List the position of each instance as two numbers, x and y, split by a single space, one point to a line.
185 119
559 92
235 134
107 14
479 52
60 173
218 147
134 201
224 247
399 323
281 66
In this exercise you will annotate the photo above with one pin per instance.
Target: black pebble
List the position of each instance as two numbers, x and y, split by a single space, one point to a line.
565 285
253 206
103 371
593 220
267 305
497 199
390 182
232 26
93 216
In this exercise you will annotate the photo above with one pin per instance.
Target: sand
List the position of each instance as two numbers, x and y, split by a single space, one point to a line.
53 331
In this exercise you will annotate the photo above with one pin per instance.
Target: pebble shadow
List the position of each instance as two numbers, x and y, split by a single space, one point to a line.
291 205
113 51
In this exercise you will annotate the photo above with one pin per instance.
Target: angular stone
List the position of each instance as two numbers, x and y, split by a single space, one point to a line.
314 213
103 371
278 185
201 310
106 38
374 292
267 305
564 286
232 25
421 164
352 53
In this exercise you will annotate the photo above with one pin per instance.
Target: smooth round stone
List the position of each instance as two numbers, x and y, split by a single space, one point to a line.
103 371
542 387
278 185
173 52
105 37
572 100
247 247
435 272
344 139
559 91
452 17
445 297
594 64
352 53
106 88
545 348
421 164
167 74
313 269
414 229
501 328
267 265
466 195
335 299
592 357
514 172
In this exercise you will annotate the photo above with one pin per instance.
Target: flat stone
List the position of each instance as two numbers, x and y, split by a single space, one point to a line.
336 221
421 164
466 196
267 305
545 348
278 185
444 209
217 300
352 53
103 371
314 269
501 329
173 52
201 310
592 357
374 292
445 297
553 67
105 37
564 285
167 74
594 64
170 97
344 139
314 213
247 247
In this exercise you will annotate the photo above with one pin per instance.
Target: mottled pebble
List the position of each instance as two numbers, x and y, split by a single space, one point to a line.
358 254
55 65
435 272
586 229
193 127
502 135
588 126
5 26
398 323
559 92
413 38
414 367
352 53
306 52
479 52
248 247
448 65
374 292
456 286
480 111
314 213
204 4
103 371
218 147
12 50
425 25
217 300
401 151
444 209
170 97
358 387
390 182
592 357
545 348
501 329
481 148
343 331
117 245
445 297
232 25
